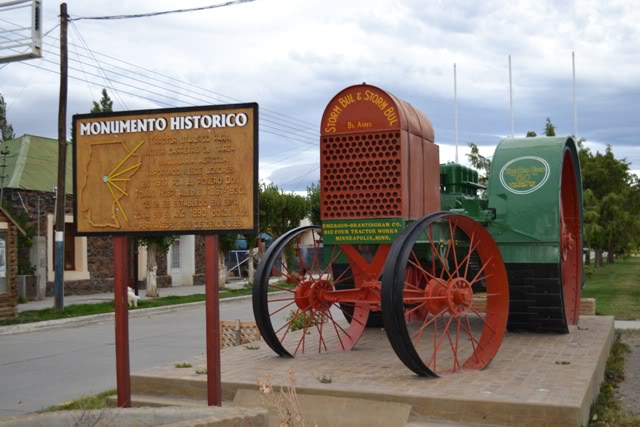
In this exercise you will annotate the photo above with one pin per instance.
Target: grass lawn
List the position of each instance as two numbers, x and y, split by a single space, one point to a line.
616 288
99 401
607 410
107 307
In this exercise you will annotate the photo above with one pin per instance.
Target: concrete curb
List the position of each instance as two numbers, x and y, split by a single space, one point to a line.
105 317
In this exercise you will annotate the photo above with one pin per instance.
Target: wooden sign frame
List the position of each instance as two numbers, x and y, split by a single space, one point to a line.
213 109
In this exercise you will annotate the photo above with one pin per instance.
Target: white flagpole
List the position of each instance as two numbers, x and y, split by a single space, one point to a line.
455 103
575 111
511 96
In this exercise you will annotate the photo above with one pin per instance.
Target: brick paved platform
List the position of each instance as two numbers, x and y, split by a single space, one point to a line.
534 380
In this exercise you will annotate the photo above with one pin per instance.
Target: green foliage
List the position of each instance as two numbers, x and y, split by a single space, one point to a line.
86 403
302 320
279 212
105 105
182 365
549 128
531 134
227 242
313 197
611 202
202 371
480 163
161 243
607 410
6 130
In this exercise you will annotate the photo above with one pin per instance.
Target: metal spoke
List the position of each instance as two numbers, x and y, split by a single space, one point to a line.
282 289
483 320
347 314
280 309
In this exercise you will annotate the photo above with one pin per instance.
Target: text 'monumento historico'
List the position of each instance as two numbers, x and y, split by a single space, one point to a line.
169 171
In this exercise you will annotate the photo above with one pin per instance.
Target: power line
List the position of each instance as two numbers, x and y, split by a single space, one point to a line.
271 118
303 126
262 109
300 177
167 12
269 129
271 124
120 100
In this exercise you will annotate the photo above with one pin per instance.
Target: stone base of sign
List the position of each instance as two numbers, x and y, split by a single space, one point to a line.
534 380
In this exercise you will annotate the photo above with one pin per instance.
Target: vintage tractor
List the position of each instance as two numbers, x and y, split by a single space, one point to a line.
407 244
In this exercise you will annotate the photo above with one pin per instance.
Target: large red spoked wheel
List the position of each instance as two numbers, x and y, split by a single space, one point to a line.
570 240
290 303
427 295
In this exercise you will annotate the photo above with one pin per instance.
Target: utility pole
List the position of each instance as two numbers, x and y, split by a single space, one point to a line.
455 107
575 111
62 163
510 96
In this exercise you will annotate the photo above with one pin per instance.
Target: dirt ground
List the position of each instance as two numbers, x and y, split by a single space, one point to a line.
629 390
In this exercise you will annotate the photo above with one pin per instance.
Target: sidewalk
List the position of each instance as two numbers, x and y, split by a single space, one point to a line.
48 302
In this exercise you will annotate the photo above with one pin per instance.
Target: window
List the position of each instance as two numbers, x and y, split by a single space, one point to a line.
175 254
69 250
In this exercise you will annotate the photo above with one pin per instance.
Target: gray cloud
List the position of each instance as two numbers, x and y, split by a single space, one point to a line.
293 56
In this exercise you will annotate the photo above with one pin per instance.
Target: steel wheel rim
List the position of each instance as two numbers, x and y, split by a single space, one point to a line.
301 304
451 304
570 240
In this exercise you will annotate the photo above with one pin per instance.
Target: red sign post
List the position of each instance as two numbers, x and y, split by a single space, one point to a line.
121 302
214 377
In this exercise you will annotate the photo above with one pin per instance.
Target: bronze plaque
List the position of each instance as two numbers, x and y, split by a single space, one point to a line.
169 171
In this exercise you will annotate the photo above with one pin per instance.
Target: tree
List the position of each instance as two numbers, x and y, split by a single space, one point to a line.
105 105
313 196
154 244
279 212
480 163
592 228
531 134
6 130
549 128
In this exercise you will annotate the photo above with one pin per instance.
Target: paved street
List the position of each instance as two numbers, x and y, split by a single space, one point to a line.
44 368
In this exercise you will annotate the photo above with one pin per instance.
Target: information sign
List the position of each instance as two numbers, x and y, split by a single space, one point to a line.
177 171
361 231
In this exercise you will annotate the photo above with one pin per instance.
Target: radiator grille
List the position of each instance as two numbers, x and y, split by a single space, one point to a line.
361 176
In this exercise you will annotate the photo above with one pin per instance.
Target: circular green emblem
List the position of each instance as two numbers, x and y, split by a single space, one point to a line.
524 175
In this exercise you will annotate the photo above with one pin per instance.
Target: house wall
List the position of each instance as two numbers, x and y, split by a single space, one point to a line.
94 255
9 300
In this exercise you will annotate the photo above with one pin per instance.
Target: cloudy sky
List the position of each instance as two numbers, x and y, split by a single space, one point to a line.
292 56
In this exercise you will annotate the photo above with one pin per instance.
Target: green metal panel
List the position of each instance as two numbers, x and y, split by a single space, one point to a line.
32 164
459 192
524 191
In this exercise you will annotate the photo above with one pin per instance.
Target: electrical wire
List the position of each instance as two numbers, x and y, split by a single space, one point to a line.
123 105
167 12
300 125
200 88
300 177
